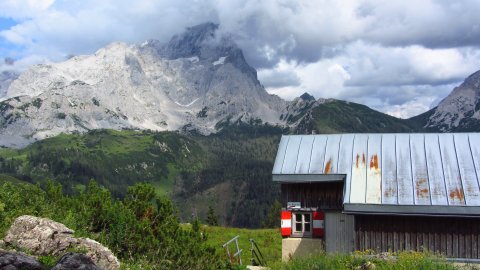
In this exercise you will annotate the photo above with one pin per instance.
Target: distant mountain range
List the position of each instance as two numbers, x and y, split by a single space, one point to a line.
459 111
199 81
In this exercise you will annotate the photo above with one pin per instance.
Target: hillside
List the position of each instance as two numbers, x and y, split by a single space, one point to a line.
230 170
337 116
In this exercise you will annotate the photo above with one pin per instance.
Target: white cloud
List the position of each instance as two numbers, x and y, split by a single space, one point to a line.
348 49
21 9
410 108
402 81
322 79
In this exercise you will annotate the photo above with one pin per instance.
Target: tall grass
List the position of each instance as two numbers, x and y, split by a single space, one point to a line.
402 261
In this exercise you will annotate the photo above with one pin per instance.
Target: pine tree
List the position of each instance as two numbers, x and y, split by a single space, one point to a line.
212 218
273 217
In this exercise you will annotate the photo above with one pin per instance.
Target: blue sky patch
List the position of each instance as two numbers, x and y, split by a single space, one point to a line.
6 23
7 49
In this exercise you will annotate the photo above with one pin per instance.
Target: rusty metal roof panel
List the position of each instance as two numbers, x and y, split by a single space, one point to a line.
404 174
404 170
331 154
451 172
467 169
358 185
436 180
389 170
374 173
345 160
419 170
474 144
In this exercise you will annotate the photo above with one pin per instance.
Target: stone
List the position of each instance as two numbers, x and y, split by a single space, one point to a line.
14 261
101 255
42 236
73 260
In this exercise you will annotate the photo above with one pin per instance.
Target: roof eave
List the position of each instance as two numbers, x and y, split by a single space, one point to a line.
411 210
307 178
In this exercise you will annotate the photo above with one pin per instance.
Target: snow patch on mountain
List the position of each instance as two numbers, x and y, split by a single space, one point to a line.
220 61
187 105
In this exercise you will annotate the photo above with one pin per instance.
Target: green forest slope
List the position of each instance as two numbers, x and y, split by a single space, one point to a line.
347 117
229 171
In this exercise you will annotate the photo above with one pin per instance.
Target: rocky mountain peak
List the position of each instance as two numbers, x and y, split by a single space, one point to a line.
191 42
196 81
472 81
460 110
307 97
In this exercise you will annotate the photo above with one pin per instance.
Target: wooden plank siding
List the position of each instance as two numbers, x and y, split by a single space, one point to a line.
453 237
322 196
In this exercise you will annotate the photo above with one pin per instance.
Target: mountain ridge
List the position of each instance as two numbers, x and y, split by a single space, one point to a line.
148 86
459 111
199 81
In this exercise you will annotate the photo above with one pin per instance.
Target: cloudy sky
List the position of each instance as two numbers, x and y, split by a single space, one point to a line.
397 56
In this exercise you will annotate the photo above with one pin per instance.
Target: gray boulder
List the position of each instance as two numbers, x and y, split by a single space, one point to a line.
43 236
71 261
101 255
14 261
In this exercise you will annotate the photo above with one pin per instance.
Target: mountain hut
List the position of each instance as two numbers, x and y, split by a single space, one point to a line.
381 192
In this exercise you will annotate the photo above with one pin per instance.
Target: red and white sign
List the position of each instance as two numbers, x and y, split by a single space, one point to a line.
318 224
286 226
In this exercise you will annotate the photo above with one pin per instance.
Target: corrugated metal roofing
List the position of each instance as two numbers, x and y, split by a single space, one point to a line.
388 169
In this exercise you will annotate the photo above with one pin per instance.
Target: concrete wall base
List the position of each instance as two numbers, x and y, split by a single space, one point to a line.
301 247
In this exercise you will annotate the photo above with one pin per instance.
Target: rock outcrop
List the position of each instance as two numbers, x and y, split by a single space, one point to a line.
42 236
101 255
199 80
460 110
15 260
72 261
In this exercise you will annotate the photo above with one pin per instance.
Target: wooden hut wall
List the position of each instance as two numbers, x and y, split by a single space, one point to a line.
452 236
322 195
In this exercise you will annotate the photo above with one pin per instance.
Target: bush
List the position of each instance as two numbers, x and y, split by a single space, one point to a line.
402 261
142 227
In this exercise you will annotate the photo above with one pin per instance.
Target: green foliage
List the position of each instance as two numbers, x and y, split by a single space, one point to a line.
142 227
21 199
48 261
403 261
212 218
342 116
238 159
273 217
126 156
268 240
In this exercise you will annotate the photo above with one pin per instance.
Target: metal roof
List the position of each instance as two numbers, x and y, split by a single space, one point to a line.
420 173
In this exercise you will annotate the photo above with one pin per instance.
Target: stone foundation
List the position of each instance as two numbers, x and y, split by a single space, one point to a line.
301 247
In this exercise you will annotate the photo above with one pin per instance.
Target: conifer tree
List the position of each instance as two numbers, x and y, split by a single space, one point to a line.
212 218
